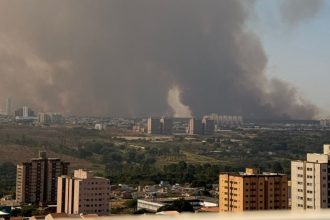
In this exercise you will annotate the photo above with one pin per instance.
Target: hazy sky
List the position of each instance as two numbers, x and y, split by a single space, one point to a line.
298 53
256 58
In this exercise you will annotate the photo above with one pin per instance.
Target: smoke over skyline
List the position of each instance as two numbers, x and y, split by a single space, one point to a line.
122 58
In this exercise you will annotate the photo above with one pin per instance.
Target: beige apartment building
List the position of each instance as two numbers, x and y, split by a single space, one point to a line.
83 194
36 181
310 181
252 190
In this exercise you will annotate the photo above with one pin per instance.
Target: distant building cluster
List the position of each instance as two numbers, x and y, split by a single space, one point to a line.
100 126
25 114
226 120
159 126
50 118
200 126
164 126
325 123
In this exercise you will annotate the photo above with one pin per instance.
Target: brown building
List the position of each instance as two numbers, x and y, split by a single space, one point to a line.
83 193
36 181
252 191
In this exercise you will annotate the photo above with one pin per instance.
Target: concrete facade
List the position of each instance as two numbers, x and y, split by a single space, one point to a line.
153 126
310 181
252 191
195 127
36 180
83 193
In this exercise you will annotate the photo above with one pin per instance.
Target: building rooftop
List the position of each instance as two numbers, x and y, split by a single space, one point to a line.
252 172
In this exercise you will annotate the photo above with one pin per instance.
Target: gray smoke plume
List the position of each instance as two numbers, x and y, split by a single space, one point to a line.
122 57
297 11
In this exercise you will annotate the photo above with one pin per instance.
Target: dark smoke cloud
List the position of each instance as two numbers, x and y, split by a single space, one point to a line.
297 11
123 57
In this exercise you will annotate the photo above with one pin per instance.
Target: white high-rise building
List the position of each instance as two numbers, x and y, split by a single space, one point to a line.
25 111
8 107
311 182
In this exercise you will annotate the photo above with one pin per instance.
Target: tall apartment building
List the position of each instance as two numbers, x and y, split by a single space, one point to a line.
252 190
195 127
160 126
36 181
153 126
83 193
166 125
200 126
311 181
208 126
8 107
